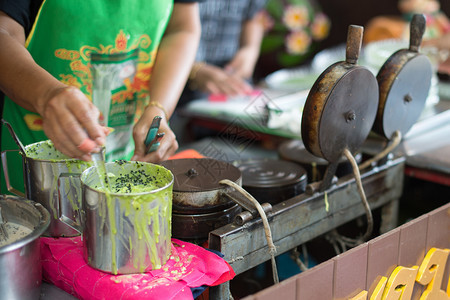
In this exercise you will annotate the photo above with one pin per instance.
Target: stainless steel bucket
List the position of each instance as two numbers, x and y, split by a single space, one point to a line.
20 265
127 231
53 179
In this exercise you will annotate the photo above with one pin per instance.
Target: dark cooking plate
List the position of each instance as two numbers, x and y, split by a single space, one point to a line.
271 180
341 106
196 187
404 82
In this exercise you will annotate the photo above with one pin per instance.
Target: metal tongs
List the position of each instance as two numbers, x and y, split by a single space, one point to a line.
3 232
153 139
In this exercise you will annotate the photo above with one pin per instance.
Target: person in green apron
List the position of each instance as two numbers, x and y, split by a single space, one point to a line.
72 70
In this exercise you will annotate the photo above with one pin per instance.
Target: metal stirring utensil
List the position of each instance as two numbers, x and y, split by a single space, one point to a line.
99 161
3 232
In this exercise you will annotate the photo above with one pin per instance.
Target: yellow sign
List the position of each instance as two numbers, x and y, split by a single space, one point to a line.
401 281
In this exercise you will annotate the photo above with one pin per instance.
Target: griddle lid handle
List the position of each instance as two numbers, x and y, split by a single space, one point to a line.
354 42
416 31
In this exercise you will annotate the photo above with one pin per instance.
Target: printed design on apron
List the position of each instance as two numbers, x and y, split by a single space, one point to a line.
115 78
34 121
81 76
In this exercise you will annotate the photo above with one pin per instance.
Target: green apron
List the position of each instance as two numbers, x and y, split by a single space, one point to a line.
106 48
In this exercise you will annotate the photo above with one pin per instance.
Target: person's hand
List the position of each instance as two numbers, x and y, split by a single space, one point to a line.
168 144
214 80
70 120
243 63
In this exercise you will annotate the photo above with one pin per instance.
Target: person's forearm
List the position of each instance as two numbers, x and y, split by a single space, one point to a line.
244 60
252 35
21 78
175 57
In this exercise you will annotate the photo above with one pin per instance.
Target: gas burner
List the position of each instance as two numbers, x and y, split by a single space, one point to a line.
196 227
200 202
271 180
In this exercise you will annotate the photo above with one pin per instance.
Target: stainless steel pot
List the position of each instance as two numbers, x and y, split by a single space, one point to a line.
52 179
127 232
20 265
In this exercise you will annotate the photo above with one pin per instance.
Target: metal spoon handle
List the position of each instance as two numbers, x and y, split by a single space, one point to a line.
99 162
3 231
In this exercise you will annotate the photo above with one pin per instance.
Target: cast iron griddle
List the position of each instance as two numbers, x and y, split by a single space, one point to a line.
200 174
404 82
272 180
270 173
340 109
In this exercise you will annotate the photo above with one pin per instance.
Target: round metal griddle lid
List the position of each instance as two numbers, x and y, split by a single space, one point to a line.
341 106
404 82
200 174
270 173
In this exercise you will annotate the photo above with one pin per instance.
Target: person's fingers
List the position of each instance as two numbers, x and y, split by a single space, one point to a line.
139 133
62 141
214 80
65 117
166 149
87 115
87 146
240 83
168 144
235 86
170 151
107 130
212 88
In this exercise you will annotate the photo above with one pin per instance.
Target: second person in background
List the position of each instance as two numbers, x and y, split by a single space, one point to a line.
229 48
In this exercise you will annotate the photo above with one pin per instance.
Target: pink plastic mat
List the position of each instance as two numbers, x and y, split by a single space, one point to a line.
189 266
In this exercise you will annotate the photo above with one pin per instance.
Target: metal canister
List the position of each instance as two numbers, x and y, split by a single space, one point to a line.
127 231
53 180
20 261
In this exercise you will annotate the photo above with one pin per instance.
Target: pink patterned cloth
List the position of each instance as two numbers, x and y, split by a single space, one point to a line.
189 266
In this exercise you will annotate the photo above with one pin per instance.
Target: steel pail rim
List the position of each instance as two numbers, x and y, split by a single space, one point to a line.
170 182
36 232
